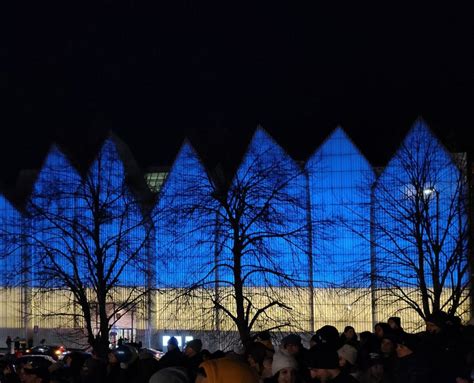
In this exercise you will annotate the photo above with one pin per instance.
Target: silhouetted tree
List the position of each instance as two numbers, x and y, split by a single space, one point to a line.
419 228
86 240
243 236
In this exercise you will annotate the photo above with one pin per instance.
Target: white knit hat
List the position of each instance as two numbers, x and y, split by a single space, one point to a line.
348 353
282 360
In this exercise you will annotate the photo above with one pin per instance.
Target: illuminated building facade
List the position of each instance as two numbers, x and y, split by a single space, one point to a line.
336 196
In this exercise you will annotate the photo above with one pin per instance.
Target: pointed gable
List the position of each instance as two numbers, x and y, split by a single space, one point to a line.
338 153
184 220
272 187
187 171
105 194
419 148
263 154
340 181
57 176
419 198
108 165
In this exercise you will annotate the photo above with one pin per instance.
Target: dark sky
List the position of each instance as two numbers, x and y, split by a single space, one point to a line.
214 70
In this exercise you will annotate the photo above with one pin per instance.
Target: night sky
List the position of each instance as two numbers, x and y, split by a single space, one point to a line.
213 71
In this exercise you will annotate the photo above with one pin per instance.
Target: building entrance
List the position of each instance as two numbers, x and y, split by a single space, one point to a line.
127 334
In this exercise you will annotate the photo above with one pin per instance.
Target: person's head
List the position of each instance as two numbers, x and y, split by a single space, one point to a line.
381 329
172 343
284 367
6 367
395 323
406 345
256 353
286 375
375 366
436 322
193 347
328 335
347 355
387 345
263 336
349 333
125 354
31 373
323 363
365 337
74 360
170 375
292 344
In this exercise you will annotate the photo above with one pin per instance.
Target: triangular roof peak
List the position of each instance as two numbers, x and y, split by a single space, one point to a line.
419 127
118 146
420 124
54 150
261 131
185 150
133 174
187 145
338 132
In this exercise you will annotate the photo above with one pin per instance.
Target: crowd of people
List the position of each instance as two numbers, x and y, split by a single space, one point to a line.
443 353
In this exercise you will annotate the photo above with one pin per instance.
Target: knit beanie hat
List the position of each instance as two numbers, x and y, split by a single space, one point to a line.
173 341
291 339
170 375
282 360
348 353
410 341
195 344
439 318
226 370
328 335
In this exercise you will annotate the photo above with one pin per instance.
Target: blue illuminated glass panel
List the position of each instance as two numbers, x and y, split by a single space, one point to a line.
11 260
50 218
268 191
340 180
185 223
417 205
116 236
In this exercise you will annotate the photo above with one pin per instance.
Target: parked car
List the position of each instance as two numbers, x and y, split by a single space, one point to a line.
53 351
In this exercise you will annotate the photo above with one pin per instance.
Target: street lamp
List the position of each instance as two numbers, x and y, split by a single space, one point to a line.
427 193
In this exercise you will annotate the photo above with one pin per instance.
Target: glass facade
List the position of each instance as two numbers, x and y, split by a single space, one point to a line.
420 225
326 237
339 188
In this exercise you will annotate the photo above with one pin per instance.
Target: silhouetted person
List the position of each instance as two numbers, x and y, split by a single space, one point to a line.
173 356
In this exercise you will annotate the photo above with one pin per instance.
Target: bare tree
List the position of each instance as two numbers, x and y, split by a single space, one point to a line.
246 235
419 228
86 240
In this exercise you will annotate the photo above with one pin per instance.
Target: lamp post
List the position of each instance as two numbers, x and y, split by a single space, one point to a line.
429 192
